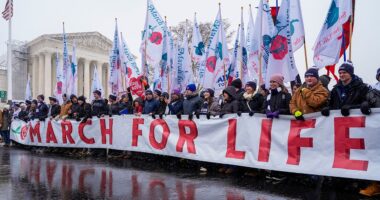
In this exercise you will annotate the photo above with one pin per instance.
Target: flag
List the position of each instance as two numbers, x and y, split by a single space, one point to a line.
174 86
166 61
58 91
8 10
115 65
128 62
252 68
28 91
152 37
328 46
72 76
96 83
184 69
290 35
66 63
242 54
198 50
217 57
260 40
232 72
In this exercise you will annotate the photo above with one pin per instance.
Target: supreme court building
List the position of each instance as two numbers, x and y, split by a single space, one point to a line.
39 62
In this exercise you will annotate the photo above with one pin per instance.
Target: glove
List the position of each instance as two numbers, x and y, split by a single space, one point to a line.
221 116
77 119
153 116
191 116
179 116
197 115
208 115
276 114
345 110
365 108
110 115
251 114
42 119
239 113
325 111
299 115
161 116
269 115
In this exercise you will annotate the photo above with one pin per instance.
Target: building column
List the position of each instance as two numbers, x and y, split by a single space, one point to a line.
48 83
87 78
34 76
41 74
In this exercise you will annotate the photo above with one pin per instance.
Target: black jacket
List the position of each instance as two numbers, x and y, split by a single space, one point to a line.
150 106
114 109
75 108
84 111
176 107
254 104
352 94
277 101
54 110
42 111
126 108
99 107
161 107
231 105
192 104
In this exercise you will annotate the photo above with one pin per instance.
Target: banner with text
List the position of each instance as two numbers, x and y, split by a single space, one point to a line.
332 146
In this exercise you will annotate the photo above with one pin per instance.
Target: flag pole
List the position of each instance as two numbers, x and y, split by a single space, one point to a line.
224 65
168 60
241 61
305 52
351 29
9 62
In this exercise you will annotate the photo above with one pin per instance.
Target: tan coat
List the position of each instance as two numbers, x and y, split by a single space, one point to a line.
309 100
65 109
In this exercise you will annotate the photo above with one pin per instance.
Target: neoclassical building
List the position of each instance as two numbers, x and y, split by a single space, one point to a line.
92 49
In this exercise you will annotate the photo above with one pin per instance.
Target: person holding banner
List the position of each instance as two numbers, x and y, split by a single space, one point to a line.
65 107
252 102
99 105
84 110
230 103
377 85
42 109
210 104
309 98
277 102
150 104
193 102
54 108
175 104
349 93
114 107
126 106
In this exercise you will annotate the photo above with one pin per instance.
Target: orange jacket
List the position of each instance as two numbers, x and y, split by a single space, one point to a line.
309 100
65 109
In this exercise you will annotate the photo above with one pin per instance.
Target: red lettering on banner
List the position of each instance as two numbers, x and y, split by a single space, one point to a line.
165 134
265 140
106 131
187 137
50 136
295 142
231 142
343 143
67 130
81 134
82 176
51 166
35 132
136 132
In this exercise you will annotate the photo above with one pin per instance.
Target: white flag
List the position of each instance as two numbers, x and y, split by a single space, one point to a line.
128 62
217 57
261 39
242 54
65 64
289 24
233 72
115 65
28 91
166 61
96 83
72 76
184 69
58 91
252 67
198 51
329 42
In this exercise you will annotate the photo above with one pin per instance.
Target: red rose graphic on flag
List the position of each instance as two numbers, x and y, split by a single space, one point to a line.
279 47
24 132
211 63
129 71
156 38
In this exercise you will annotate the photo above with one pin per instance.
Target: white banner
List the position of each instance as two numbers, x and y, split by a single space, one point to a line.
331 146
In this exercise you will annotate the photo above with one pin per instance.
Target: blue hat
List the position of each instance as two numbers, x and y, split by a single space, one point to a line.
312 72
191 87
347 67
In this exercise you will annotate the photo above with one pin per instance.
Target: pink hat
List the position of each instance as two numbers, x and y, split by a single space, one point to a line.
277 78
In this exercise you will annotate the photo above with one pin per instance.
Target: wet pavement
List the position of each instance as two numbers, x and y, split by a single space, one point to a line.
26 175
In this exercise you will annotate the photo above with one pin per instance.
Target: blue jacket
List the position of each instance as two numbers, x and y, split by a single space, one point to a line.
176 107
150 106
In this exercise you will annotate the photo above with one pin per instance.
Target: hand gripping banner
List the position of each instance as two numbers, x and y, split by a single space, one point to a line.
329 146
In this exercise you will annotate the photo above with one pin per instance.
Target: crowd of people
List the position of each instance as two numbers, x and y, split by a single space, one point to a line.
313 95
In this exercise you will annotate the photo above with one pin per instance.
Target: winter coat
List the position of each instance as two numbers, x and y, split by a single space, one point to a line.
231 105
309 100
42 111
151 106
251 103
373 98
162 107
65 109
352 94
126 107
74 111
6 120
54 110
84 111
213 108
192 104
176 107
99 107
114 109
277 101
23 115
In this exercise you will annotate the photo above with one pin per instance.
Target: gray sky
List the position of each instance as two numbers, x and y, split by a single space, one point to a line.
33 18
